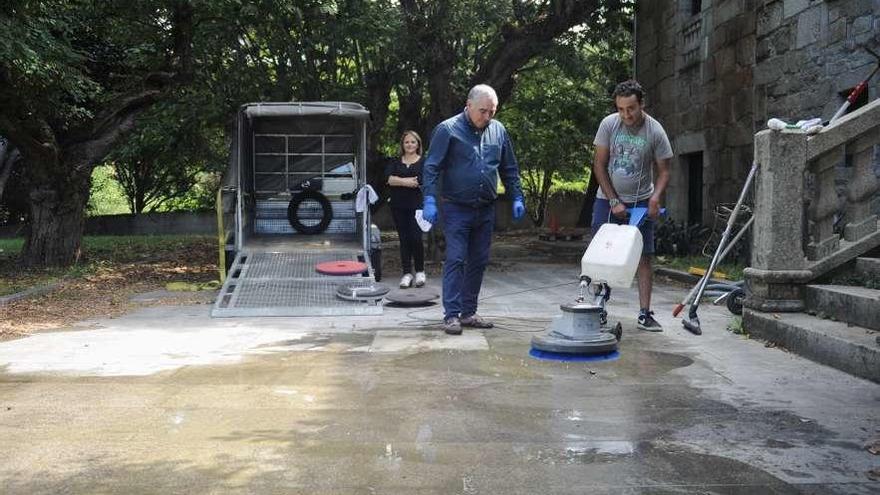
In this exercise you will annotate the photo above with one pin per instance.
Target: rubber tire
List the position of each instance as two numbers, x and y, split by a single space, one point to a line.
293 209
735 301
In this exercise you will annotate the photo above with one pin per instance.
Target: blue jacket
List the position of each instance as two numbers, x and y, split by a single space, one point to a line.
470 162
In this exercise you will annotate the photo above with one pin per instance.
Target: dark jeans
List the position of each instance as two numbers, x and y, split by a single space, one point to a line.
468 233
410 235
602 215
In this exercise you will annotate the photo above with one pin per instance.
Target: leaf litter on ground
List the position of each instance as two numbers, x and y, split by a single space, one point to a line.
103 283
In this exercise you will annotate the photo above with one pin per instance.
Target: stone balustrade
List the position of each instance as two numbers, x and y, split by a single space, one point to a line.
799 212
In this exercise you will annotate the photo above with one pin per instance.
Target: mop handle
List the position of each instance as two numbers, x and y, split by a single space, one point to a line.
722 245
690 297
854 94
736 238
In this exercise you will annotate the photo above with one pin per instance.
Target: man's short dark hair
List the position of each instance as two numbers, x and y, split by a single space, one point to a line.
629 88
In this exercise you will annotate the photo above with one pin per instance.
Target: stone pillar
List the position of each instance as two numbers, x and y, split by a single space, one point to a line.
778 273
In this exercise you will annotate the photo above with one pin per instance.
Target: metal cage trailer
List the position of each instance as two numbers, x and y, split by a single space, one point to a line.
289 202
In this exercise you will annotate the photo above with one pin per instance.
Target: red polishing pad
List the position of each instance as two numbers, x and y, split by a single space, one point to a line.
341 267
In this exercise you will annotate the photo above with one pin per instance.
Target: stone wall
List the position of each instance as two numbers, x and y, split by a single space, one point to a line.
716 70
153 224
566 209
808 57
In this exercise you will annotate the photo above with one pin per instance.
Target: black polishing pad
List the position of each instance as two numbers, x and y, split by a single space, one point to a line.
412 297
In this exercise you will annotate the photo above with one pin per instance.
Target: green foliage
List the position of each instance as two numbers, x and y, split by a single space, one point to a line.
173 159
281 50
736 326
564 187
42 61
10 247
200 197
65 59
409 62
107 197
553 115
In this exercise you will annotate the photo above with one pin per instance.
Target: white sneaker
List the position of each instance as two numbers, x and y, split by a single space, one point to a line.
420 279
406 281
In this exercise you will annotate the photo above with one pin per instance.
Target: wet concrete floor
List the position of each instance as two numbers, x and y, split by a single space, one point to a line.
167 400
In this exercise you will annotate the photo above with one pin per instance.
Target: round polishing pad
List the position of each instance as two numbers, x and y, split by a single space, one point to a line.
412 297
341 267
362 292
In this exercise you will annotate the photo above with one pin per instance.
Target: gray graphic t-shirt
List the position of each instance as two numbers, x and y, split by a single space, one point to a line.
632 155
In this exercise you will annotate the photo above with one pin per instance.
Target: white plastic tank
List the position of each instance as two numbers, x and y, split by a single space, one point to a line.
613 255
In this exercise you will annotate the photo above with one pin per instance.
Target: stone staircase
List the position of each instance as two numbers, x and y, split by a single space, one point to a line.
870 267
840 327
815 285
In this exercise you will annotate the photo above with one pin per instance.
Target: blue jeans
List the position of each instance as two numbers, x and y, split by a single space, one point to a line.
601 211
468 232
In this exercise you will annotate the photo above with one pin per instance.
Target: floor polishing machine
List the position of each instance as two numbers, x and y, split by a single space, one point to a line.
611 259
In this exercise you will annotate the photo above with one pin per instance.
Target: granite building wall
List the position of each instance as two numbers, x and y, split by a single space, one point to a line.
716 70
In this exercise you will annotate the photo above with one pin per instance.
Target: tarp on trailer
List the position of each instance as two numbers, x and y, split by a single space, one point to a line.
305 108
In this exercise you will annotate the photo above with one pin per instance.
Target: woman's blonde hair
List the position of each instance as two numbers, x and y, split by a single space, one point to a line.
418 140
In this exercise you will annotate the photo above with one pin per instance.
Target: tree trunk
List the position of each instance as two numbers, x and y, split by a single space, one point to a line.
409 115
59 179
9 157
544 197
378 84
585 219
56 226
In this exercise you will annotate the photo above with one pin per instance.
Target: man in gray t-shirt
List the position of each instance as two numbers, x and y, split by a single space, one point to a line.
629 144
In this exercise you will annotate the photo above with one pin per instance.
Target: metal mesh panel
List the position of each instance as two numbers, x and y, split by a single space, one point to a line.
299 265
278 209
293 293
271 216
270 183
286 284
269 144
271 163
339 144
282 226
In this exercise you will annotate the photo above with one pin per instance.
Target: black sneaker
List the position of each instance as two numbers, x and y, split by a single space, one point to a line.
452 325
647 322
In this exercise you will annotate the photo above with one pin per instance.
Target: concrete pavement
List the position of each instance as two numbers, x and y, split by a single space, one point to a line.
168 400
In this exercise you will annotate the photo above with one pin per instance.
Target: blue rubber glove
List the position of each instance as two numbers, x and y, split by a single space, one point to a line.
519 209
429 211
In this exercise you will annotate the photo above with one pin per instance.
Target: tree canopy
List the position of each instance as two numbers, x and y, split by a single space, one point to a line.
73 78
152 86
554 112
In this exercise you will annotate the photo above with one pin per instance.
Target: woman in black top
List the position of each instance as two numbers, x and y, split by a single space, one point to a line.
404 176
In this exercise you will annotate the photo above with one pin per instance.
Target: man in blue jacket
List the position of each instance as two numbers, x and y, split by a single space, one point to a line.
468 153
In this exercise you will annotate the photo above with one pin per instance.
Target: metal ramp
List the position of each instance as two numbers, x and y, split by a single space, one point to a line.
264 283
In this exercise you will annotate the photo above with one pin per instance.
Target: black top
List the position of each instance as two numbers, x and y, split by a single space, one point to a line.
409 198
